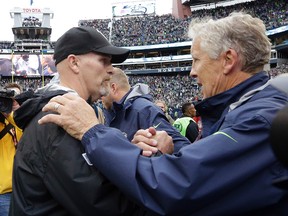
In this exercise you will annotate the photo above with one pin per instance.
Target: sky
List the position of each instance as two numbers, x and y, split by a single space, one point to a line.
67 13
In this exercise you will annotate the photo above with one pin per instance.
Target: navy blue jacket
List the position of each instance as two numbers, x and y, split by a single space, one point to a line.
228 172
137 111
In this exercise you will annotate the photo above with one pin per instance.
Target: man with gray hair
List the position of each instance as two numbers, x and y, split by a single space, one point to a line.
232 169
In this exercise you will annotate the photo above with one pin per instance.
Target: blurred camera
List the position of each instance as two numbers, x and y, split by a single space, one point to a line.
6 100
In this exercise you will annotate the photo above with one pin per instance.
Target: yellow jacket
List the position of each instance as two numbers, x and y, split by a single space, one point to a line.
7 152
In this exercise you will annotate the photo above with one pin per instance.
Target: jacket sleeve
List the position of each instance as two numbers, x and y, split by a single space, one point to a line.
152 116
178 140
227 172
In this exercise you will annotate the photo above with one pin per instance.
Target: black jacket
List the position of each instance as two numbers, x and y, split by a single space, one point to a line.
50 175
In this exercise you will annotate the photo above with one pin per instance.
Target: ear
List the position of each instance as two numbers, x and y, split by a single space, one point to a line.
73 63
230 59
113 87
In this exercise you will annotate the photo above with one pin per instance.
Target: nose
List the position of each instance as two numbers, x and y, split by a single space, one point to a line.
110 70
193 73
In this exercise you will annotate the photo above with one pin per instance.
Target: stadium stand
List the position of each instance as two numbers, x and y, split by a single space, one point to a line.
160 55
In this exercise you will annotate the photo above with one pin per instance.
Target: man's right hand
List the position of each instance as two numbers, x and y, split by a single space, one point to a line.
75 115
150 141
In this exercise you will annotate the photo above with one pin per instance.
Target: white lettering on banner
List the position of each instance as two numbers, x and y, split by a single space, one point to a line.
176 69
31 10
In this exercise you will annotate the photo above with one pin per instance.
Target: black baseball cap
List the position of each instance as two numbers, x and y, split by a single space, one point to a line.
82 40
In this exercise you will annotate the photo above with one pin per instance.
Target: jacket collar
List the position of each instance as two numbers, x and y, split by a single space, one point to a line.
215 105
214 109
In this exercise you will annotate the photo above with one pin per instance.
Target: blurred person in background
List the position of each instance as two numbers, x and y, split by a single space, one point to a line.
5 65
162 105
186 124
10 134
131 108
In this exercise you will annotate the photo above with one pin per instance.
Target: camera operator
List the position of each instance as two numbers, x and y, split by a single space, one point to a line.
9 137
278 132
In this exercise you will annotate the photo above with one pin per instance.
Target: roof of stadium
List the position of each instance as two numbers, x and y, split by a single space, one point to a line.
192 3
201 2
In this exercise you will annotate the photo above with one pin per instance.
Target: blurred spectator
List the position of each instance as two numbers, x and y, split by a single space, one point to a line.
131 109
162 105
185 124
26 64
5 65
48 65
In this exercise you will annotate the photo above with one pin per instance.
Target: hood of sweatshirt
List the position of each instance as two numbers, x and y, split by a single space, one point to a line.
31 107
139 89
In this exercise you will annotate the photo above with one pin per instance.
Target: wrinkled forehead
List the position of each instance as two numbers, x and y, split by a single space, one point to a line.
196 42
198 49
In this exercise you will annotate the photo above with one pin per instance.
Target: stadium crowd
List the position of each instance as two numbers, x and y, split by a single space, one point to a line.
126 31
173 89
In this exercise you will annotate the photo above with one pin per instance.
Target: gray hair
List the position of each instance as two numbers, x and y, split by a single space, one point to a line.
239 31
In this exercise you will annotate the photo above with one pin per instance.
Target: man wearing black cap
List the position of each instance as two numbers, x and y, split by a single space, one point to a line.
51 175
